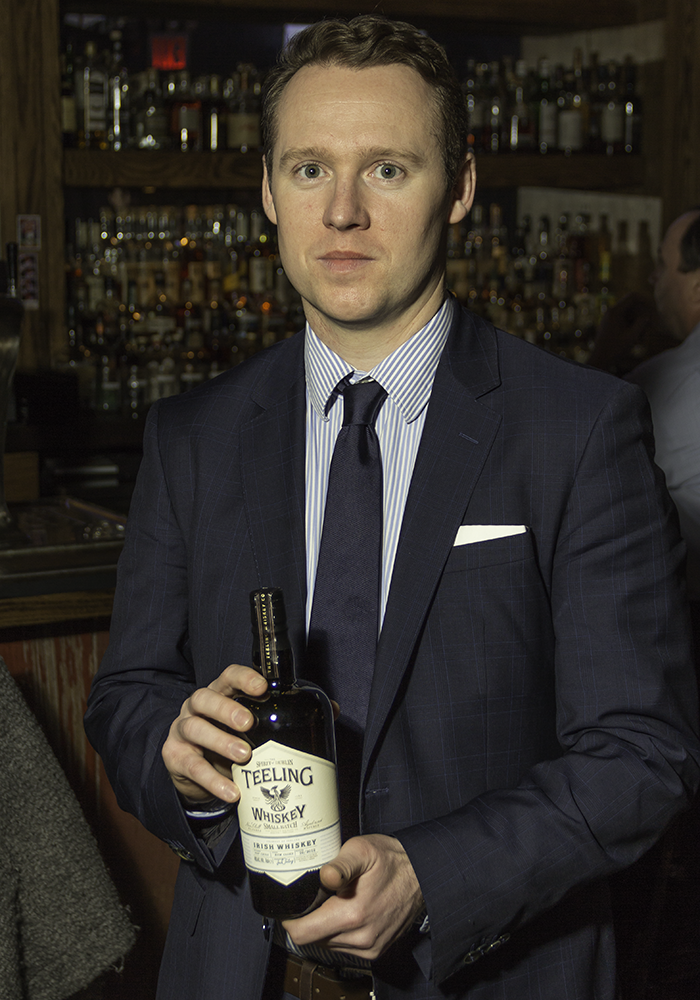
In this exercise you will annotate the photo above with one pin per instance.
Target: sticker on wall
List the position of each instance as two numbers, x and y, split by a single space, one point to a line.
29 232
29 278
29 240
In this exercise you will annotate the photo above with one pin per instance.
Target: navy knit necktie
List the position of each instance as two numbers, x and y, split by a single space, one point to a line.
345 611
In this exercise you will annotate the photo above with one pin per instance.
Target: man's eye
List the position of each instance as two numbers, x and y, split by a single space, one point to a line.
310 171
387 171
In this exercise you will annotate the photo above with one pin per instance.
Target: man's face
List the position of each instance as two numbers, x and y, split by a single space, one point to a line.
358 193
675 290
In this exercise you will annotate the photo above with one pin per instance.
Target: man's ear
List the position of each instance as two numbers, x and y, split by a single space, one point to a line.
463 190
267 199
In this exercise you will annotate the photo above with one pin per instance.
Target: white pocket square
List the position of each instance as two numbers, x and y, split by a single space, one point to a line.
469 533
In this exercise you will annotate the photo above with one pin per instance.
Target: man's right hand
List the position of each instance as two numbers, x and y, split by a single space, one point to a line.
198 753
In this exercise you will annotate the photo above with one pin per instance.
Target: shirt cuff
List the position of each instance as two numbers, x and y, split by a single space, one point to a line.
210 809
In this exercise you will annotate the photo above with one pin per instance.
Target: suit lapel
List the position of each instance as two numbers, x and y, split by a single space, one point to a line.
272 467
457 437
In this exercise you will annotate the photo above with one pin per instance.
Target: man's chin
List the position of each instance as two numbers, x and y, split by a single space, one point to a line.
350 317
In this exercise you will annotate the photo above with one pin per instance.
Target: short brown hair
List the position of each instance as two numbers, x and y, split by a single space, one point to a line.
368 41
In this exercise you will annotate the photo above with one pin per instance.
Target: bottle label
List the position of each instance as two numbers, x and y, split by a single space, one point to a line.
257 275
96 103
548 123
243 130
288 812
612 123
570 129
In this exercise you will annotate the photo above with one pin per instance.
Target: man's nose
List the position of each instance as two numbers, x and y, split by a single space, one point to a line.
346 208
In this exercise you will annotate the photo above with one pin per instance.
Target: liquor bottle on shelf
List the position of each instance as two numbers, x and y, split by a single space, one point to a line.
186 115
289 786
632 128
213 115
521 137
495 112
546 109
603 254
69 117
612 117
473 89
117 96
596 93
150 123
109 386
570 123
243 119
91 99
621 260
644 261
582 93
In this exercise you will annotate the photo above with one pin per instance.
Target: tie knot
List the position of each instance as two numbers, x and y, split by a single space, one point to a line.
362 402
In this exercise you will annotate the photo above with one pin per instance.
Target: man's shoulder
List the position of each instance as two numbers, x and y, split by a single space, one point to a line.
670 367
236 388
518 363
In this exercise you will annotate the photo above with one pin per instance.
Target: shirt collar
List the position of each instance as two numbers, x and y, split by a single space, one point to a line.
407 373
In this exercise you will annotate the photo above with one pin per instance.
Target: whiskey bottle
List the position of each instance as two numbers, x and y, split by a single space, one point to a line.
612 119
632 107
288 809
69 119
546 109
92 101
570 132
243 120
118 113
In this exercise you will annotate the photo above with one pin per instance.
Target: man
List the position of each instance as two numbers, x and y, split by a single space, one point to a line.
530 717
670 380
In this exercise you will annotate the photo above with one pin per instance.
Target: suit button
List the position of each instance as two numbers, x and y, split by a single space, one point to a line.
497 943
472 956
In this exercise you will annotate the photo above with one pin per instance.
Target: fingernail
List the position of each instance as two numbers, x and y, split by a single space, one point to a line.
239 753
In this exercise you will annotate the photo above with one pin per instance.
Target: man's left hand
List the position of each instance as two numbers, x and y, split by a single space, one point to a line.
377 898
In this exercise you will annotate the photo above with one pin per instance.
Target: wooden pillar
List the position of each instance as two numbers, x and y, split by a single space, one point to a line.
31 161
679 142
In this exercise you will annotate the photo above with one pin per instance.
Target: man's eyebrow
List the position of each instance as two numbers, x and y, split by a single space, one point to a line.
320 155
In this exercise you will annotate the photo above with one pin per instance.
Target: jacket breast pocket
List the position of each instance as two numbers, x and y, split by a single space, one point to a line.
492 552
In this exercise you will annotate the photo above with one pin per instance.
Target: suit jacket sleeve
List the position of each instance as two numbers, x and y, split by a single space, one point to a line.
625 711
147 672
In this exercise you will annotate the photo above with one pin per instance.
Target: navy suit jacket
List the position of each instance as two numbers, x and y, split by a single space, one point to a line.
532 713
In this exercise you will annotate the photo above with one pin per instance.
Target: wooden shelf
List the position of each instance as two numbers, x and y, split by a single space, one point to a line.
515 16
161 169
44 609
582 170
92 168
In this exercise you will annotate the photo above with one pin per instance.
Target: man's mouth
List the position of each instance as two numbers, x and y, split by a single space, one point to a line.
344 261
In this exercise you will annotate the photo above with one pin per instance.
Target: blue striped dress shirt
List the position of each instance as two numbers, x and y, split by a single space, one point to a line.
407 374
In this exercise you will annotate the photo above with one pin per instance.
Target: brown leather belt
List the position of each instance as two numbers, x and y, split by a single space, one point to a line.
308 981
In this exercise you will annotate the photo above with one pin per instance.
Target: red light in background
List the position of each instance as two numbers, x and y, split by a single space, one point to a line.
169 52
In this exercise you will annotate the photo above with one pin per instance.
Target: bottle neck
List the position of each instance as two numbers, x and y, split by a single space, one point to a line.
272 651
276 663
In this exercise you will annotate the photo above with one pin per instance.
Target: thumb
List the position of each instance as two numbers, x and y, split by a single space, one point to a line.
348 865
